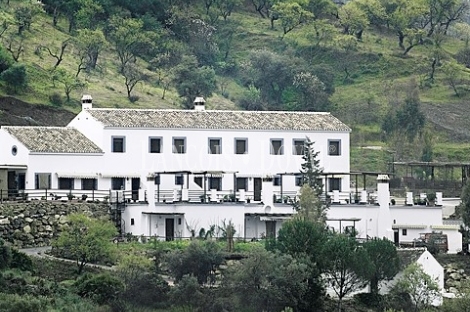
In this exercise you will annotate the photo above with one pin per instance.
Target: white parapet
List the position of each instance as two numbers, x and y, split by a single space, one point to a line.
439 201
335 196
185 194
363 197
242 195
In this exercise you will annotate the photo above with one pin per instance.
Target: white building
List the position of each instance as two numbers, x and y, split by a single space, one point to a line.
175 172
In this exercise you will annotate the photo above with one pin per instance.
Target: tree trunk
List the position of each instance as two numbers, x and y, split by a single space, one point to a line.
401 38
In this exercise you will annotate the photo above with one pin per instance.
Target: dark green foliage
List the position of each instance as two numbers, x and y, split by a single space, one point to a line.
384 259
191 80
56 99
465 205
5 255
17 303
14 78
200 259
187 293
102 288
310 168
21 261
371 300
5 59
148 290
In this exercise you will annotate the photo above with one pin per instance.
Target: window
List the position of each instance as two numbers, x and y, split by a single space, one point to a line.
198 181
215 146
155 145
89 184
404 232
132 221
334 184
276 147
118 145
157 179
215 183
42 181
299 180
277 180
242 184
179 145
334 147
14 150
65 184
179 179
298 147
118 184
241 146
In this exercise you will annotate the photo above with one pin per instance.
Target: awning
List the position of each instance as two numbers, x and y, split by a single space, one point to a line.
17 167
409 226
77 175
445 227
121 175
255 175
164 213
274 218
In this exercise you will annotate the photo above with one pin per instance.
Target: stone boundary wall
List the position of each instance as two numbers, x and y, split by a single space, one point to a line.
36 223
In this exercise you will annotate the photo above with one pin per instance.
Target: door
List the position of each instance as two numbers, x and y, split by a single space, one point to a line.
169 229
21 181
135 188
270 229
257 185
12 184
396 238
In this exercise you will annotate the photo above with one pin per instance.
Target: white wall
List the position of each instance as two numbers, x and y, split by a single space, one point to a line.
6 156
87 125
435 271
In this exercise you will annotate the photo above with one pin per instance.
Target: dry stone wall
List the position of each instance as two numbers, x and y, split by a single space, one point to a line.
36 223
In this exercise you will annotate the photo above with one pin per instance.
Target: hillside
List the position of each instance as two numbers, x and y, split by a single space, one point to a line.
160 54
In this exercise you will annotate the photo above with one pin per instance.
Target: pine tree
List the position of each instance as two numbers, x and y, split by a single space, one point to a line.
310 169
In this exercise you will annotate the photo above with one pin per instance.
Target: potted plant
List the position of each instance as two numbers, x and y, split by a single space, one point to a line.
286 199
248 200
431 198
268 179
70 196
84 196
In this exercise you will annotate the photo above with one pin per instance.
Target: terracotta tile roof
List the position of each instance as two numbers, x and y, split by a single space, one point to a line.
217 119
53 140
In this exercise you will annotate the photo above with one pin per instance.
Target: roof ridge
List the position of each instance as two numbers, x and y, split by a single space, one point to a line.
207 111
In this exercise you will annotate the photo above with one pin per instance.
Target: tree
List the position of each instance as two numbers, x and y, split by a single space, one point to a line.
292 14
200 259
15 77
59 56
453 75
70 82
132 76
310 207
465 205
353 19
266 281
347 266
129 39
89 44
226 7
421 287
6 60
310 168
24 17
302 238
262 7
384 261
192 81
86 240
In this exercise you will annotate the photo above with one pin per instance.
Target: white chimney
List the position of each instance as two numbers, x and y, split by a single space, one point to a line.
384 222
87 102
199 103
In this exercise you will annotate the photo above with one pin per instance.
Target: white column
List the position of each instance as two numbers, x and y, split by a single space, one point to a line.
335 196
363 197
439 201
267 193
185 194
409 199
242 195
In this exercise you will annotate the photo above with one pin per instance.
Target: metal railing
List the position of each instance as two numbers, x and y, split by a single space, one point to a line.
54 194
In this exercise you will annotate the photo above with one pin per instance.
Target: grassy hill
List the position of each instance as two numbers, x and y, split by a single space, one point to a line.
371 76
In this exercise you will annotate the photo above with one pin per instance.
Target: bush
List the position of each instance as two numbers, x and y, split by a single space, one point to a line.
149 290
101 288
15 303
5 60
371 300
5 256
21 261
56 99
14 77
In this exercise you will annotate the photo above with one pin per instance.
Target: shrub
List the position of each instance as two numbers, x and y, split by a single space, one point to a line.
15 303
5 255
14 77
56 99
102 288
370 300
5 60
21 261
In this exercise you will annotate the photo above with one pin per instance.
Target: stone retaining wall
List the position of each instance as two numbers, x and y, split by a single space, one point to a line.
35 223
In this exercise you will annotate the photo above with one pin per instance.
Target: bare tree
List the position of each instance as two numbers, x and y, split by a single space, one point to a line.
59 56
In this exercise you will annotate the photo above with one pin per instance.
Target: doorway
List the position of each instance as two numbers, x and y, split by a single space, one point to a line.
135 189
270 229
169 229
257 187
396 238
